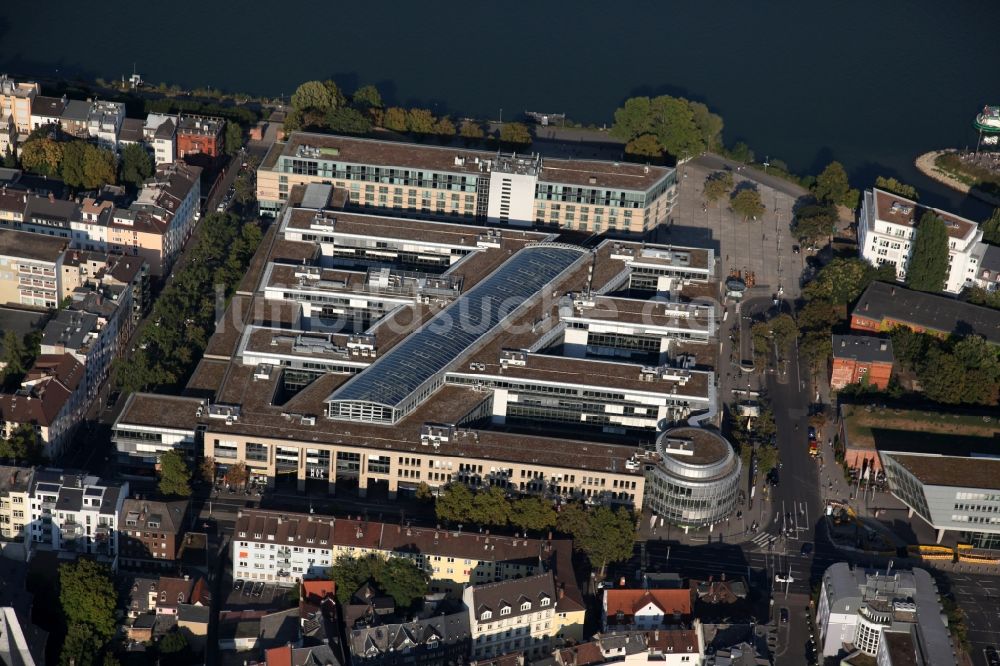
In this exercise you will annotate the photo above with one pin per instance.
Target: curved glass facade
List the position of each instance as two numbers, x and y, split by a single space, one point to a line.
696 481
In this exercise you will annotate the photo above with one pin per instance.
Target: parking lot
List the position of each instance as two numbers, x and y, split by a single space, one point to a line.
979 597
254 595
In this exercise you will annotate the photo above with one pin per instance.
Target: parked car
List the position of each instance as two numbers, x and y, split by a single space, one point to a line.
806 550
992 655
812 434
238 584
258 589
784 615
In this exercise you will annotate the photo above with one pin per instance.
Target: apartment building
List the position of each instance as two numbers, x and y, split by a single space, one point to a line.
31 269
441 182
289 547
889 224
160 133
624 609
149 533
94 270
150 425
15 514
172 199
512 616
47 111
15 103
75 118
104 122
51 400
199 135
77 513
858 607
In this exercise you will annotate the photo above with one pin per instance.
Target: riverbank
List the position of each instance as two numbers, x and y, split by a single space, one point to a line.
927 165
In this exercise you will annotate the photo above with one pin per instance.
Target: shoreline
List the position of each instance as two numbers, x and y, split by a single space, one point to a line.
926 165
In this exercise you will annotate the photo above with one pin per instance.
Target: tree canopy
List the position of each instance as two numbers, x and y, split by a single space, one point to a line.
991 228
603 534
399 577
681 127
490 507
88 597
233 138
87 166
959 370
533 514
42 155
175 475
747 202
23 446
841 281
136 165
318 95
516 134
814 223
367 97
14 359
833 187
644 145
896 187
718 185
927 269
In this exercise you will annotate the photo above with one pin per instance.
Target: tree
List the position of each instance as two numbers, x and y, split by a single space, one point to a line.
747 202
490 507
175 477
832 186
80 646
88 597
767 458
444 127
172 643
471 130
814 223
395 119
533 513
72 167
927 269
896 187
207 469
43 156
237 475
100 167
13 359
399 577
841 281
516 134
366 98
315 95
991 228
136 165
709 124
402 579
454 503
741 153
633 119
942 377
10 159
783 331
817 347
345 120
644 145
424 493
233 138
982 369
604 535
764 425
817 314
420 121
682 128
717 185
23 445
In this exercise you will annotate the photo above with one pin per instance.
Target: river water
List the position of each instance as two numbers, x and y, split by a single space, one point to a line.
870 83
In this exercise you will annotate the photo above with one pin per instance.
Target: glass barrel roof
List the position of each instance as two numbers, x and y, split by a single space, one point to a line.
391 379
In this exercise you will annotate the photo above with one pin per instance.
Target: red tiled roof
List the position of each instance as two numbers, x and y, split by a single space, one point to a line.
279 656
629 602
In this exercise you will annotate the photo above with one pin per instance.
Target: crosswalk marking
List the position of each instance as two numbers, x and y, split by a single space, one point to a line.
761 540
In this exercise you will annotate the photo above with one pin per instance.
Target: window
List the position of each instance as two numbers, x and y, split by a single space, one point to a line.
505 610
526 606
486 615
544 601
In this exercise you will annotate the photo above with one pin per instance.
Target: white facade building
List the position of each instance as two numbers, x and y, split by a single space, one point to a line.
512 190
160 132
856 606
104 122
887 231
512 616
73 512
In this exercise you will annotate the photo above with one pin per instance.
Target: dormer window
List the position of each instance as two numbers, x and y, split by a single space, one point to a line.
243 535
526 606
163 596
544 601
180 597
505 610
258 535
486 615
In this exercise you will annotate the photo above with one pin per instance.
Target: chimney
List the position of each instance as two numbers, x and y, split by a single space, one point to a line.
52 197
893 291
621 582
883 345
723 576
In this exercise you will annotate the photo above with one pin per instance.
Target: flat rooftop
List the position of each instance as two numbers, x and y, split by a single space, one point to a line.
982 473
706 446
164 411
27 245
447 159
913 430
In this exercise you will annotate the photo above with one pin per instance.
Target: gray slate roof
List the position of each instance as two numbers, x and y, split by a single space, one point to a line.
863 348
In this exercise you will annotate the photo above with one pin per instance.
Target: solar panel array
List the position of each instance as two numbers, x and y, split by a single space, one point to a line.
399 373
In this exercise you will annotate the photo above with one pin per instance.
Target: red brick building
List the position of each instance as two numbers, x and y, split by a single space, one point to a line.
858 358
199 135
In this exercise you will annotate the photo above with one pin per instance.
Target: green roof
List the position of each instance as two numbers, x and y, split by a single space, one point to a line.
914 430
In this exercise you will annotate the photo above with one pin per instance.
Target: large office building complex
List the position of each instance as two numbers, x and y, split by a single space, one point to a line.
372 351
468 185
